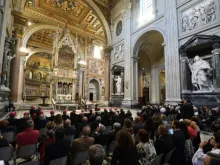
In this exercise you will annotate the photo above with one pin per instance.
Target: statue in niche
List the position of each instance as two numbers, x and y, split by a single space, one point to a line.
201 73
118 84
39 76
146 81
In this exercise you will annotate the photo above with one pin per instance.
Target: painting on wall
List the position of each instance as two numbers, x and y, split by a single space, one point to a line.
96 66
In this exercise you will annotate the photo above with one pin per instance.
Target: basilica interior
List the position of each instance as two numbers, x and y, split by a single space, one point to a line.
147 60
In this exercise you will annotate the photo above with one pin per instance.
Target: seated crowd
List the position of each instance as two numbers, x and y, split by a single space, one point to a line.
114 137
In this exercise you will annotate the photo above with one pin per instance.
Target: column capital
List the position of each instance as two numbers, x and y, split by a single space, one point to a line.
108 49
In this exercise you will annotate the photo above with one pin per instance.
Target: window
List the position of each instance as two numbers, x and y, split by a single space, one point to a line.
146 10
97 52
30 75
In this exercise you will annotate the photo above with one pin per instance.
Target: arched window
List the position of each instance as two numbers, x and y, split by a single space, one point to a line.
146 10
97 52
31 75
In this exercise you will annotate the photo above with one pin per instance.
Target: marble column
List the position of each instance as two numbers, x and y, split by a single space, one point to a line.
172 66
16 76
134 67
155 86
3 24
21 80
81 83
74 91
216 54
127 58
107 55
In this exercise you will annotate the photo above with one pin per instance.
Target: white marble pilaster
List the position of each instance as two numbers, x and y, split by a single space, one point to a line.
172 67
128 85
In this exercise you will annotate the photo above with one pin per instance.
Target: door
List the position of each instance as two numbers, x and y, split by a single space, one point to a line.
91 96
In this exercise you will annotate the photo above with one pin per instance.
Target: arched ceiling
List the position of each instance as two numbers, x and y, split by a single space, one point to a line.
78 16
151 51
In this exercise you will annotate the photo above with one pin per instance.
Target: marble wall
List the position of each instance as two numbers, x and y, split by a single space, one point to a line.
176 20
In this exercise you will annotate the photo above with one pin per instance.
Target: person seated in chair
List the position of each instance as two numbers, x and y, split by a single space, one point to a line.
83 143
58 149
100 137
68 129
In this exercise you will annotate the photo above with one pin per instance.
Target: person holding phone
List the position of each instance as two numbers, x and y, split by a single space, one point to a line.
199 156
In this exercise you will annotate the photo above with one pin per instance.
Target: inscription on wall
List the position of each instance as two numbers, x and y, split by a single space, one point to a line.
201 14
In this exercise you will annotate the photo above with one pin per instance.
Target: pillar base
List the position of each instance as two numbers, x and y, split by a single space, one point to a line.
129 103
172 101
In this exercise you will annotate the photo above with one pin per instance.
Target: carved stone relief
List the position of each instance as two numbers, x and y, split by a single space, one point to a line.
119 52
203 13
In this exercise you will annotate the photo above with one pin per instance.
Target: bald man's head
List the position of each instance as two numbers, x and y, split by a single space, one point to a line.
86 131
85 119
162 129
68 123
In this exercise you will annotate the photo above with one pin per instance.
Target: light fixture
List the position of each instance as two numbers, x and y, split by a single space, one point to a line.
29 23
24 50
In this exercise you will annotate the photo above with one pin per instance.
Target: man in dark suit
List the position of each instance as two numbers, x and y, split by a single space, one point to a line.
138 125
94 124
83 143
179 143
112 134
58 149
81 125
65 116
74 118
69 130
100 137
164 143
187 110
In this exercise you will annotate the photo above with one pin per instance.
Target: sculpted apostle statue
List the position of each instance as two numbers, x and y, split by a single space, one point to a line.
118 84
200 71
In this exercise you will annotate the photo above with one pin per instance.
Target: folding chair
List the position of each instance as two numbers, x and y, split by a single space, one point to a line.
108 129
59 161
81 158
69 138
168 156
9 136
157 160
111 147
26 151
6 153
42 131
35 162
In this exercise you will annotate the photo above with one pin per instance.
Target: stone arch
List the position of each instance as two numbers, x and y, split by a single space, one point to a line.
36 51
96 91
156 57
137 39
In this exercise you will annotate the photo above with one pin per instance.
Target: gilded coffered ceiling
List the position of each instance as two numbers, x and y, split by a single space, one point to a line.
78 16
